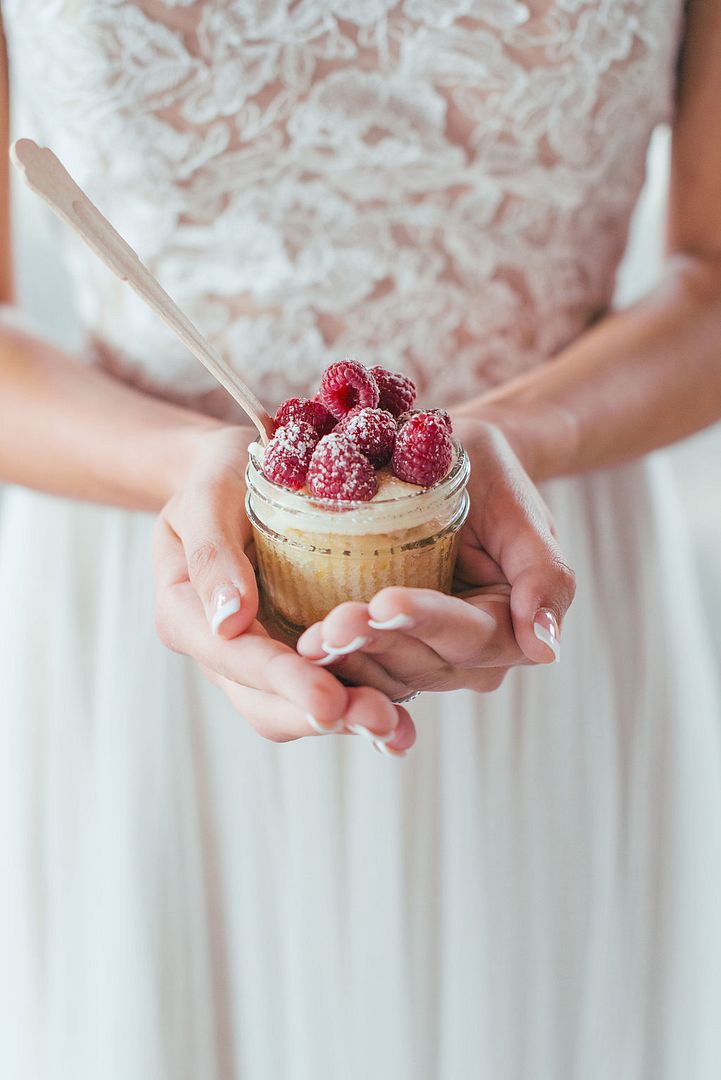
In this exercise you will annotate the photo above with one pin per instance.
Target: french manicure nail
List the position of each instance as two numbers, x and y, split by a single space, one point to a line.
545 628
344 650
323 661
321 729
381 747
398 622
332 653
226 602
366 733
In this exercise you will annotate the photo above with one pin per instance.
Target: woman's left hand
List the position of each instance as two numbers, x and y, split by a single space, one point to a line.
513 589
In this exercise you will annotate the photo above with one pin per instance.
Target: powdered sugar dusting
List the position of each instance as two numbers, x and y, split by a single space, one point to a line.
289 452
311 412
373 431
338 470
296 437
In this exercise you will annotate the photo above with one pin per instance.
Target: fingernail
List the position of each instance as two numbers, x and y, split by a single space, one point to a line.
545 628
226 602
321 729
398 622
324 660
366 733
381 747
343 650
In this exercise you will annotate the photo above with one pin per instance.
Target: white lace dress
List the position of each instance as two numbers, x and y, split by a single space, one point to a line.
535 892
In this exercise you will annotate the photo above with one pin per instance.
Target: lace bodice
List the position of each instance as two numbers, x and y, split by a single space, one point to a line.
443 186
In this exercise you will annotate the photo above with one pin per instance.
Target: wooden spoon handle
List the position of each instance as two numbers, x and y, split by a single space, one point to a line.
46 175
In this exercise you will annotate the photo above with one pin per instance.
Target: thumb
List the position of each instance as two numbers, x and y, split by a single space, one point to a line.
218 568
542 588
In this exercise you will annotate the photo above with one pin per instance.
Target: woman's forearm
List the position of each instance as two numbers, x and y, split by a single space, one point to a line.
72 430
638 380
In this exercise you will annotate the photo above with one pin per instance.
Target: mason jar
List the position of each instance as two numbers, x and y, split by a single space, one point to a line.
313 554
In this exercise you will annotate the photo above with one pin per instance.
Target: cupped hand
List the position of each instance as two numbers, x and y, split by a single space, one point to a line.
207 608
513 589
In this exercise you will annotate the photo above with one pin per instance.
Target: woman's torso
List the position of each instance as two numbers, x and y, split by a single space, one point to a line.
438 185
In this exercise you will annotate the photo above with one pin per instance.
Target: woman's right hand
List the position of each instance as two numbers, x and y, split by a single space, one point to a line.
207 608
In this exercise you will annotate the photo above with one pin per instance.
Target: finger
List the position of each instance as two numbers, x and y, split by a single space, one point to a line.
349 629
343 631
253 660
386 659
530 560
397 664
480 680
365 670
280 721
360 669
542 588
212 530
372 716
473 632
474 564
443 640
272 716
404 738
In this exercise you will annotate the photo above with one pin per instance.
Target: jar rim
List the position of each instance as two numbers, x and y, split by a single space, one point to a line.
455 479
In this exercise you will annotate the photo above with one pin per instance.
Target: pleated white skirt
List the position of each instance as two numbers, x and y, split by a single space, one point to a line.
533 894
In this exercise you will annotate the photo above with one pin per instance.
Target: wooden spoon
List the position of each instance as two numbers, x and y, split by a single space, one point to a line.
46 175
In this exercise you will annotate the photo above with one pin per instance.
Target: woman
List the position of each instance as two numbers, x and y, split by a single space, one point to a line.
443 188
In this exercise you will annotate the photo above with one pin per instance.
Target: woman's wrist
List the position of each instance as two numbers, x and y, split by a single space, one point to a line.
543 438
205 452
179 447
76 431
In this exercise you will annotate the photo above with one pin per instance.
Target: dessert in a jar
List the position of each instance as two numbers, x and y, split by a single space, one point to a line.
355 491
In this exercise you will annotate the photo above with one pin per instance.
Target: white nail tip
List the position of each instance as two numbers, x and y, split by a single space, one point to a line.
366 733
324 660
544 634
343 650
230 607
321 729
381 747
398 622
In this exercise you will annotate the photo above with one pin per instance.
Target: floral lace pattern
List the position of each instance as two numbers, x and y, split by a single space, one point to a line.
443 186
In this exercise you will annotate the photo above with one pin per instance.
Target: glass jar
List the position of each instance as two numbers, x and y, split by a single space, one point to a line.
314 554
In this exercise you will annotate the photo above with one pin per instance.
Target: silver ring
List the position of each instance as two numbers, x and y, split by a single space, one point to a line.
409 697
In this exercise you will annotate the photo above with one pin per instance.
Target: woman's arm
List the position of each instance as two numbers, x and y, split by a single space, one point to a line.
74 431
71 430
650 375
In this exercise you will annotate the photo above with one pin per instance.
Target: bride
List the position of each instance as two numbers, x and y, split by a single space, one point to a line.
526 881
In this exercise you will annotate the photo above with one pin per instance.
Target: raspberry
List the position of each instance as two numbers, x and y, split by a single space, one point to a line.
397 392
427 412
343 423
345 385
312 412
338 470
373 431
288 454
424 451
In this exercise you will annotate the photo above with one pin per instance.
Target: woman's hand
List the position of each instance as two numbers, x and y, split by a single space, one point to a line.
512 591
207 608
